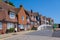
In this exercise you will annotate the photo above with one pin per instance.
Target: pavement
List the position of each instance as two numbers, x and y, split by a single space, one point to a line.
36 35
4 36
32 35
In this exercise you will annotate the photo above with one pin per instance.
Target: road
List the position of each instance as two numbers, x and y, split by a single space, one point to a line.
37 35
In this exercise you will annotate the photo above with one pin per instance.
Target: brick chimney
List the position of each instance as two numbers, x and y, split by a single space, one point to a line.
21 5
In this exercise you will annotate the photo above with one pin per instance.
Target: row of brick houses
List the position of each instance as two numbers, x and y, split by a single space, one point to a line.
11 17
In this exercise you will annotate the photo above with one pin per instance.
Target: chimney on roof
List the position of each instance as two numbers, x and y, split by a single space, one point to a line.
21 5
31 11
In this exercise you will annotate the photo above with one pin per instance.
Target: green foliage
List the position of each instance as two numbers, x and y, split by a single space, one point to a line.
34 28
10 3
11 29
55 25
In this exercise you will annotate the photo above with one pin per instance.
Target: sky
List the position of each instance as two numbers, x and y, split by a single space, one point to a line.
48 8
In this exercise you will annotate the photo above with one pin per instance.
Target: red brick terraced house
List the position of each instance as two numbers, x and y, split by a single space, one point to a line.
8 18
34 19
22 21
11 17
45 20
27 19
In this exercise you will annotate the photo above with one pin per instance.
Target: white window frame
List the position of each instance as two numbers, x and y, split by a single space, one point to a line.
12 16
10 25
22 17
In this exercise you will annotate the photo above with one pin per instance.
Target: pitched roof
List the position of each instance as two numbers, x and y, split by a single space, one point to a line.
29 13
3 13
8 7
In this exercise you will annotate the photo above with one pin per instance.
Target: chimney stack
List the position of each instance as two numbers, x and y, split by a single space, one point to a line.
31 11
21 5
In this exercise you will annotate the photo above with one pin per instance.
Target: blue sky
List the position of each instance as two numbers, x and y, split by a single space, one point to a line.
48 8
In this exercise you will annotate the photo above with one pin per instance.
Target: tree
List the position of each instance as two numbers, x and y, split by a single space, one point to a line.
8 2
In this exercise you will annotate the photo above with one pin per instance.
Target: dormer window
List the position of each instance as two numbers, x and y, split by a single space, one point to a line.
12 15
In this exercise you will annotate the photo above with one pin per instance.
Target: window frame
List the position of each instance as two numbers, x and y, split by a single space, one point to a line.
22 18
12 16
10 25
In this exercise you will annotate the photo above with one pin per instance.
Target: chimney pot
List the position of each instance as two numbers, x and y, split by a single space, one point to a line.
31 11
21 6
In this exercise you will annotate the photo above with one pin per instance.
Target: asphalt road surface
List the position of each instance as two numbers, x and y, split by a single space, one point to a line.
42 33
38 35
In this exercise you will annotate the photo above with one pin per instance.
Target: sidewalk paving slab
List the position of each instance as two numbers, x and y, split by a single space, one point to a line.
3 36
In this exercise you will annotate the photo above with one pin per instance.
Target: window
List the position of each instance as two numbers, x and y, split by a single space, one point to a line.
22 17
0 25
21 26
32 23
10 25
12 15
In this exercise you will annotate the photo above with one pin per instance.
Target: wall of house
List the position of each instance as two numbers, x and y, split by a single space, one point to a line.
4 27
20 14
